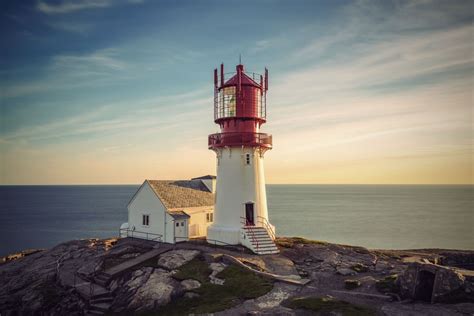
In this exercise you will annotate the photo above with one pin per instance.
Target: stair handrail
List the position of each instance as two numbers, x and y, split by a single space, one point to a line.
149 236
267 226
250 229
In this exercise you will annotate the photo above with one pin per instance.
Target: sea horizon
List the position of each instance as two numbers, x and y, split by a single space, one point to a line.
387 216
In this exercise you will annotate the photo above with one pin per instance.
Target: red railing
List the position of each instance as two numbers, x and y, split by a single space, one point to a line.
240 139
267 226
251 235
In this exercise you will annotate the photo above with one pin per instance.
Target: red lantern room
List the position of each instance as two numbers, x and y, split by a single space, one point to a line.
240 109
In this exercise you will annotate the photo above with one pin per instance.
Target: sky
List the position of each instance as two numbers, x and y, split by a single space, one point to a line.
118 91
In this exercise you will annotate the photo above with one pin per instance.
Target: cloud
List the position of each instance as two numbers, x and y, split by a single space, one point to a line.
71 6
68 6
73 27
95 62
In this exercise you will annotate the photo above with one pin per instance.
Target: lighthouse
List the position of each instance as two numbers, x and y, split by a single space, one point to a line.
240 211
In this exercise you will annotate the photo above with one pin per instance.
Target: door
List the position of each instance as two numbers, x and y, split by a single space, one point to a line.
180 230
249 216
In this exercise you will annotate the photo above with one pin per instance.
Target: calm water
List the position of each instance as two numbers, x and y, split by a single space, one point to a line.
366 215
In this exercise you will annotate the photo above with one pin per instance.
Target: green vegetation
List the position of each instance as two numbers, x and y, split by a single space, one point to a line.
196 269
359 267
290 242
388 284
240 284
351 284
325 306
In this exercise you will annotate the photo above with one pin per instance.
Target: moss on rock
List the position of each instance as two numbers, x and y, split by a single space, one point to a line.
327 306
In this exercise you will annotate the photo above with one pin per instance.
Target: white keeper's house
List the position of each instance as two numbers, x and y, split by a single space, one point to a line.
171 210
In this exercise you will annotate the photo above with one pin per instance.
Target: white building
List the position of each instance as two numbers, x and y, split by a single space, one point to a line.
171 211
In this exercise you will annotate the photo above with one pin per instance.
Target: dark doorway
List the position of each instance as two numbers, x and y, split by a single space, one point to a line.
249 214
424 286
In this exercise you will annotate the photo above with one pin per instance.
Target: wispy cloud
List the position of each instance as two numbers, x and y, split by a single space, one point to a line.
95 62
71 6
68 6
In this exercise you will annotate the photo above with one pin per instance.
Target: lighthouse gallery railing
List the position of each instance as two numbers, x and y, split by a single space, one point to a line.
240 139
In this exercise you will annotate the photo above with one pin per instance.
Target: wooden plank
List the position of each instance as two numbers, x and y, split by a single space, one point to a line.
136 261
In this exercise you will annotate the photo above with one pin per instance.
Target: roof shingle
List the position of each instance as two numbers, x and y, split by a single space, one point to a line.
182 193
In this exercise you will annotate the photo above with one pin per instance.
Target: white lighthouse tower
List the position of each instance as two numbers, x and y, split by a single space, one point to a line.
240 212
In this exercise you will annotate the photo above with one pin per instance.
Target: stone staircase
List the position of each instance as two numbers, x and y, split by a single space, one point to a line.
97 293
260 240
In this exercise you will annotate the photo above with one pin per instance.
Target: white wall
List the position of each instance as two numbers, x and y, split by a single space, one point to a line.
198 221
146 202
237 184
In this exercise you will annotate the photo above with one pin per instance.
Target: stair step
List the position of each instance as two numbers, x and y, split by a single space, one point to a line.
103 307
262 241
267 251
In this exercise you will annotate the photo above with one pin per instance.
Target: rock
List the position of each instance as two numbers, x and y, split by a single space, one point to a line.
434 283
176 258
156 291
345 271
216 267
139 277
190 284
360 268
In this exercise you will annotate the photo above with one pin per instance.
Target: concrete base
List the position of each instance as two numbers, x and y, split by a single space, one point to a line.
225 235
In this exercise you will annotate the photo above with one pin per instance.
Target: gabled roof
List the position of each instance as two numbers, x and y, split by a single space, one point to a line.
206 177
182 193
178 214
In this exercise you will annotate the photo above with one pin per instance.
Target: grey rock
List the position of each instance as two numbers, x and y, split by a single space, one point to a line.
190 284
156 291
176 258
345 271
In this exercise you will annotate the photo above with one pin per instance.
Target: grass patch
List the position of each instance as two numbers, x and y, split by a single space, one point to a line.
288 242
240 284
196 269
388 284
327 306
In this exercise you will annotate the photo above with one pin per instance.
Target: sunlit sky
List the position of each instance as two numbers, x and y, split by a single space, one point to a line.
117 91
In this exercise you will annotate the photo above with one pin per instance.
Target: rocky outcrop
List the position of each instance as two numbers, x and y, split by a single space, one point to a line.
45 282
434 283
176 258
156 291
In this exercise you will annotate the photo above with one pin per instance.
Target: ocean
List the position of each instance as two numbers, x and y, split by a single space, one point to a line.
373 216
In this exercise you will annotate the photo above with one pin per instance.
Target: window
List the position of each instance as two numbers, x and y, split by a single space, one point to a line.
177 224
146 220
182 224
210 217
247 159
